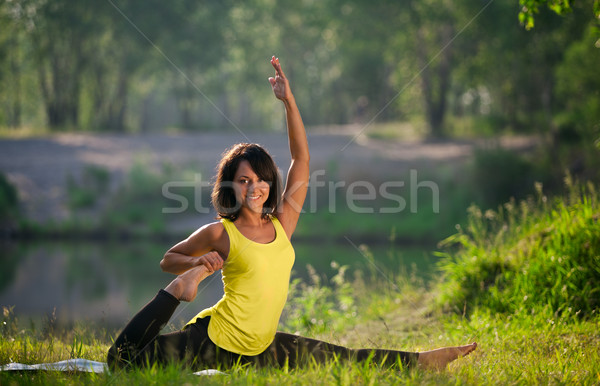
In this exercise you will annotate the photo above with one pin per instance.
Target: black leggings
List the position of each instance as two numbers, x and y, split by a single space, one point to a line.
140 345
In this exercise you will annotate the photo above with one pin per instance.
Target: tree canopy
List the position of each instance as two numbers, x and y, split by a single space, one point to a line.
529 8
124 65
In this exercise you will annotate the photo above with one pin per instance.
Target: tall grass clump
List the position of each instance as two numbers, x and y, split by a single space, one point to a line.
528 257
315 307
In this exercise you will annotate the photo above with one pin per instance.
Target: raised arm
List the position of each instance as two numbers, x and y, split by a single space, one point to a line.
208 246
297 179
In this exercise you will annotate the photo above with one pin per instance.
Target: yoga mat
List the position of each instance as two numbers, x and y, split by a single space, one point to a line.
79 364
66 365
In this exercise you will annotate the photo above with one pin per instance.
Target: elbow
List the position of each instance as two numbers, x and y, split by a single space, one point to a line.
164 263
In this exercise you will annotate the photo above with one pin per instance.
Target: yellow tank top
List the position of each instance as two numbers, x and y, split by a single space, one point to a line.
255 282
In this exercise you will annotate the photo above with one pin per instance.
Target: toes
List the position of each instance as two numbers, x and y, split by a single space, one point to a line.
469 348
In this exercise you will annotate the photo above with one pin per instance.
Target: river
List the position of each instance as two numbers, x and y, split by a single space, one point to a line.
104 283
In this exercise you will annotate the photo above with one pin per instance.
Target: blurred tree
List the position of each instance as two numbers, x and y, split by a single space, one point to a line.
578 86
127 46
529 8
12 47
118 64
516 67
435 29
194 39
57 32
364 30
386 46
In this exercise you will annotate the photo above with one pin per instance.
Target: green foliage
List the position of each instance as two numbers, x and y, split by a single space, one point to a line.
8 198
47 343
527 257
86 191
544 348
529 8
531 349
198 64
137 205
498 174
8 323
526 349
578 85
316 307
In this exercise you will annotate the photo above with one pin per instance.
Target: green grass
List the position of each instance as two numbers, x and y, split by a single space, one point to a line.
524 349
527 254
550 337
397 131
23 132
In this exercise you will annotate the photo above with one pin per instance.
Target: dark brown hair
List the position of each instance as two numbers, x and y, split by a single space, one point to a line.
223 195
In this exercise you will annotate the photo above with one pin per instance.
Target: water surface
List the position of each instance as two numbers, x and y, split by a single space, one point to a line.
104 284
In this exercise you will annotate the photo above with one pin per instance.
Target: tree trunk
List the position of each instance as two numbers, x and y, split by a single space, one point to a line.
119 106
99 98
145 114
185 106
14 119
59 75
435 79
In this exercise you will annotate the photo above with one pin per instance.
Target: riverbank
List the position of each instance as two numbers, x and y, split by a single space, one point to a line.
158 185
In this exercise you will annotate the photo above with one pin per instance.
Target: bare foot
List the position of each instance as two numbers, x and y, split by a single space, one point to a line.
439 358
185 286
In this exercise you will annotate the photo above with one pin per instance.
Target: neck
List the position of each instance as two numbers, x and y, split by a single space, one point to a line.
250 217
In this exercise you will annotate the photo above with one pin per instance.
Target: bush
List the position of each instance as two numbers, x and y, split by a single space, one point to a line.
315 308
527 257
499 174
138 202
8 198
85 193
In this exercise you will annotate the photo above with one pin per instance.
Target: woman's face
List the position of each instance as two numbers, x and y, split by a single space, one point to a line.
250 191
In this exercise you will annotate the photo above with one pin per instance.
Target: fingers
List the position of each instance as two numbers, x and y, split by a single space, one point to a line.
212 261
277 66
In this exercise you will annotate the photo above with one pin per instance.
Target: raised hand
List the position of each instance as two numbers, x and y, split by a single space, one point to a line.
279 83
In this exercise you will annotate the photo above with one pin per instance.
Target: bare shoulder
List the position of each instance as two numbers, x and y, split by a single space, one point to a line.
213 228
213 231
213 234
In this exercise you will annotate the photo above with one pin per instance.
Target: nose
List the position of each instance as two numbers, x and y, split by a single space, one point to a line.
256 185
252 186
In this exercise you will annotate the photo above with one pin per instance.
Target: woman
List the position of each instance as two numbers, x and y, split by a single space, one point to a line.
251 243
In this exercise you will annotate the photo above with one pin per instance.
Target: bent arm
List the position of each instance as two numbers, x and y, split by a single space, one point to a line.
296 185
203 247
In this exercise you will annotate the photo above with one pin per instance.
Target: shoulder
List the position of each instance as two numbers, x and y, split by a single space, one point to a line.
214 232
213 235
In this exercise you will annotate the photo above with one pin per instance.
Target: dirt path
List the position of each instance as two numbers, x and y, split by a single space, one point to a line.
40 167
